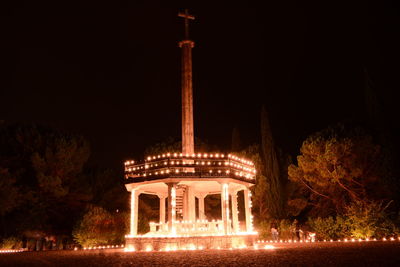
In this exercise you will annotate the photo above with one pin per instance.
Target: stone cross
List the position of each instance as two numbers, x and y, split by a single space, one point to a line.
186 16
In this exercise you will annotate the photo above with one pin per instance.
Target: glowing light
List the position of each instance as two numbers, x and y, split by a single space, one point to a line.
130 249
10 250
269 247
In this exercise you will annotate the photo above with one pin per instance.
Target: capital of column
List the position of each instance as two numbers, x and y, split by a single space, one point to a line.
186 42
233 192
162 195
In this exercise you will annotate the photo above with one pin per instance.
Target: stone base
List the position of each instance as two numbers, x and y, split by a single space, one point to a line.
189 243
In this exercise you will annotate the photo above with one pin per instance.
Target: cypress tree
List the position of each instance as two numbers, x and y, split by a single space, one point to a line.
274 193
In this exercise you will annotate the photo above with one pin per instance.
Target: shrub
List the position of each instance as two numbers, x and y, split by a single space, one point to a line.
99 227
284 229
328 228
11 243
264 229
367 219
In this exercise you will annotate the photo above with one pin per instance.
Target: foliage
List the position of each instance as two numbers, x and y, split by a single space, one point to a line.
264 229
9 193
171 145
270 191
362 219
58 162
107 184
148 211
367 219
329 228
259 191
284 228
11 243
167 146
99 227
338 165
271 170
296 205
41 170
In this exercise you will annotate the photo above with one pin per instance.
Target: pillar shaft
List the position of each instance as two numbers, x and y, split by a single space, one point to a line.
185 210
191 204
201 208
162 209
235 218
134 211
171 207
247 207
225 207
187 97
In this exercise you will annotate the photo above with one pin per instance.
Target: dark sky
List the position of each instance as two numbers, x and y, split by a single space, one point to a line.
111 70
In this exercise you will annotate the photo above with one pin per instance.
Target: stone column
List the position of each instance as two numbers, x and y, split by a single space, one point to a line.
247 207
185 211
134 211
162 208
171 207
225 207
191 201
202 215
235 219
187 97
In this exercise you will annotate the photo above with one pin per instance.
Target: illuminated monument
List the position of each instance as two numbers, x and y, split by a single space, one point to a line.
178 178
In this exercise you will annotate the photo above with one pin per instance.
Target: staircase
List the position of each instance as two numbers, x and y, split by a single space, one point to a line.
179 205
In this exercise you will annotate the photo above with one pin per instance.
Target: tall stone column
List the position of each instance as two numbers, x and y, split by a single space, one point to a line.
162 208
247 207
171 207
185 205
225 207
191 201
134 211
202 215
187 97
235 218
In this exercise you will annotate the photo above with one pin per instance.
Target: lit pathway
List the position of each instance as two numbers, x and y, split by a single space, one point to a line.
372 253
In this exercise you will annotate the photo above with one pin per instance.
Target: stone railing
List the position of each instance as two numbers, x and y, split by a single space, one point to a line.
199 227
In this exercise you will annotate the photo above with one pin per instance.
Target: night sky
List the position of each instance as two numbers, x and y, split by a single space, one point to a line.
111 70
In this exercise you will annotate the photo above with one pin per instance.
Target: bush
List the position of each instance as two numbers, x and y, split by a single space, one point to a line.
329 228
99 227
264 229
284 229
11 243
367 219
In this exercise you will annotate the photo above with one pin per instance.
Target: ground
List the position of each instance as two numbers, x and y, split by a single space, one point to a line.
306 254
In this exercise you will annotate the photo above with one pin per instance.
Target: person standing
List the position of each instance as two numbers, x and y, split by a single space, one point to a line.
297 229
274 232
